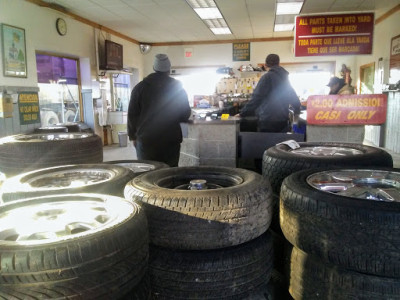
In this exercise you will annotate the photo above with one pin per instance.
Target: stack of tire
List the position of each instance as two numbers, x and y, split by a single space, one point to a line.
208 231
25 152
285 159
344 228
78 246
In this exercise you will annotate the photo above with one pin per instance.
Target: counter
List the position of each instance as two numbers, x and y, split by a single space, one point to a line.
209 142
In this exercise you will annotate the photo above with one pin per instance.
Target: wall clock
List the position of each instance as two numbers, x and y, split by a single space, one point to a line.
61 26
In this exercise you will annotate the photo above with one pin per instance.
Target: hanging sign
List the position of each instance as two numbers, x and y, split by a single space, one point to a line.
241 51
347 109
341 34
28 106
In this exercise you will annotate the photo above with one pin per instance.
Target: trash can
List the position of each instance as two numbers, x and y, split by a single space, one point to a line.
123 138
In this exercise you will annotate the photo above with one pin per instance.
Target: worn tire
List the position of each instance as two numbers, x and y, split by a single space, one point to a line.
112 283
26 152
279 162
358 234
203 219
310 278
70 179
229 273
139 166
117 238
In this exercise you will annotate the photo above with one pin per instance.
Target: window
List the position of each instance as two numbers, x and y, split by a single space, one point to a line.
59 95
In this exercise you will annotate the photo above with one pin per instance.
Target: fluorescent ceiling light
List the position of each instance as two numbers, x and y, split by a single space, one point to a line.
208 13
283 27
216 23
201 3
288 8
224 30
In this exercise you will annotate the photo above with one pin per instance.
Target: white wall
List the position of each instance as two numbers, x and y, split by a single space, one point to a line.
383 33
221 54
41 35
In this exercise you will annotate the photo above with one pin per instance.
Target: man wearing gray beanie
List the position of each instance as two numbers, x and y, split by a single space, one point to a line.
271 99
157 106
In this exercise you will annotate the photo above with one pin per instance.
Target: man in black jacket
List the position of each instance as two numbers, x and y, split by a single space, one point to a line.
157 105
271 99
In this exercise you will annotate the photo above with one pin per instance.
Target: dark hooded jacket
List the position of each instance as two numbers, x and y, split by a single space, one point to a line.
157 105
272 96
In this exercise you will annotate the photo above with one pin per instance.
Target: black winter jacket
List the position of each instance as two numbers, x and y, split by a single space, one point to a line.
157 105
271 97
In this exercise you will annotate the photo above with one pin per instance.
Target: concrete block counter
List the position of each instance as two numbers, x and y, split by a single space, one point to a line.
210 142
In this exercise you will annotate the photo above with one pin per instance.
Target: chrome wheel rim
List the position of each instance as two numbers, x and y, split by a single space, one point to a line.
374 185
68 178
326 151
45 222
198 185
51 137
138 167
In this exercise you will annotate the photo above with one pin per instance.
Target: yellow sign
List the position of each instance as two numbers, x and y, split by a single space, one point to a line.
6 106
224 116
28 106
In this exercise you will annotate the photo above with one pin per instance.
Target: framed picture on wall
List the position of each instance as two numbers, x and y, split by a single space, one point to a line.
14 51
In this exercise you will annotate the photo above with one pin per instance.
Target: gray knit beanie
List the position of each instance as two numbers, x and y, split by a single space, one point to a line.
161 63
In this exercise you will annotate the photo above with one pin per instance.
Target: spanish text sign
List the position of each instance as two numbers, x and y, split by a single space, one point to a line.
342 34
347 109
28 105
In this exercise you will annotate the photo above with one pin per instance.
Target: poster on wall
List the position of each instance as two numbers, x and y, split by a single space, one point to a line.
14 51
339 34
241 51
28 107
394 65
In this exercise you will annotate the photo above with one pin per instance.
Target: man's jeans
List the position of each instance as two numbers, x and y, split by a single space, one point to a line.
168 154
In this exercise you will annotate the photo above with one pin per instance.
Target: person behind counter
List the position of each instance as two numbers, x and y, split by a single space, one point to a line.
339 87
271 99
158 104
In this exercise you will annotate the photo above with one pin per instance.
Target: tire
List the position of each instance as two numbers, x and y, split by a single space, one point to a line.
48 118
139 166
69 116
26 152
51 129
231 273
110 283
280 161
359 234
70 179
141 291
310 278
238 211
71 126
65 249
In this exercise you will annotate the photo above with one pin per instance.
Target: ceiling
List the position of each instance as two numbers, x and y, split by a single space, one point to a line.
169 21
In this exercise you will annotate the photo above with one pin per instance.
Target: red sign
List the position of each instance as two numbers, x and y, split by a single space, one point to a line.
344 34
347 109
